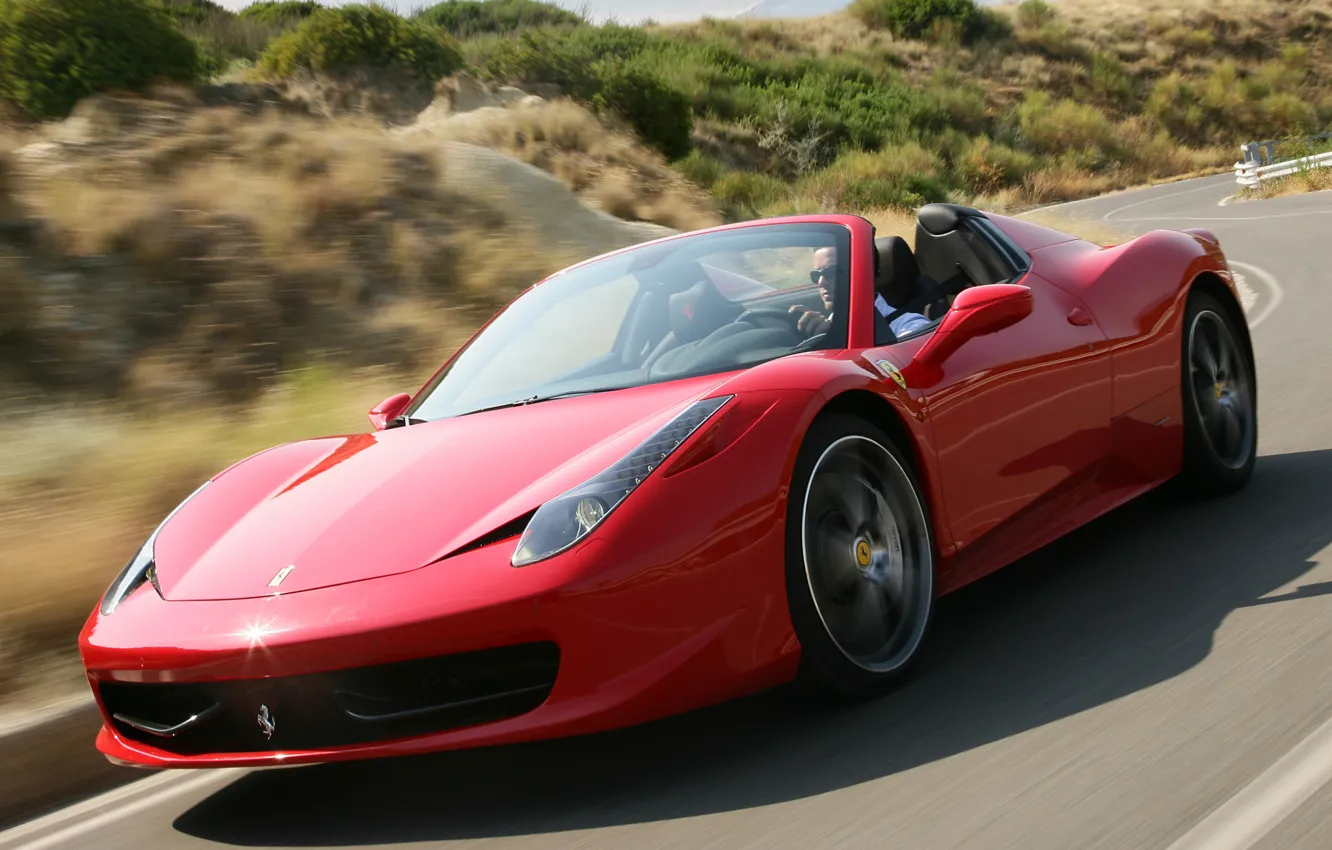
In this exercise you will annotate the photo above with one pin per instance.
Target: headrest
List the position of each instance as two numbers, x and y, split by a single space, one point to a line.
698 311
898 273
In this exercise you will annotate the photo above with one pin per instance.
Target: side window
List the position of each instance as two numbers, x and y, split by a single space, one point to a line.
1001 260
975 253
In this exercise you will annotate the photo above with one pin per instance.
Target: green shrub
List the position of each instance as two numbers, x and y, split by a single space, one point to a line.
1110 79
986 166
1078 132
465 18
279 11
659 114
53 52
599 66
194 11
744 194
921 18
701 168
902 176
345 38
1034 14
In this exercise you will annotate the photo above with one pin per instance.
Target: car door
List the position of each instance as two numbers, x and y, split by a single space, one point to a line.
1020 417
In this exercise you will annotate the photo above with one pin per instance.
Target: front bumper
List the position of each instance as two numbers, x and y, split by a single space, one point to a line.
664 609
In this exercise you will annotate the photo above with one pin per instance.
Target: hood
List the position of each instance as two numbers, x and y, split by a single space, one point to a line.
350 508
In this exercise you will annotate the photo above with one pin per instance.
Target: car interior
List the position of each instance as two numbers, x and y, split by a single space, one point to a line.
956 248
691 318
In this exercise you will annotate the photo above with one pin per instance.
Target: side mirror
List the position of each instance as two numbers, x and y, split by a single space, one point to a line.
388 410
976 311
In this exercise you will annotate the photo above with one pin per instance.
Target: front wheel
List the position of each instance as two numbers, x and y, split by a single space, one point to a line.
859 560
1220 401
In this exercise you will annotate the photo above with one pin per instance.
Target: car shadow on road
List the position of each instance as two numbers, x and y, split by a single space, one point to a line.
1128 602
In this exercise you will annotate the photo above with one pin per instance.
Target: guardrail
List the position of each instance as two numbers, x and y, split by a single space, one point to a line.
1259 163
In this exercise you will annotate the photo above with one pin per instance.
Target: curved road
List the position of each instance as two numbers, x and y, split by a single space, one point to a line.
1161 679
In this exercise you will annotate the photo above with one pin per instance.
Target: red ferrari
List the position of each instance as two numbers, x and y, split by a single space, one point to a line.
671 475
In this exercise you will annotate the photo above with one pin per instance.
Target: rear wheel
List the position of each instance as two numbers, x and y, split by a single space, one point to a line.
1220 401
859 560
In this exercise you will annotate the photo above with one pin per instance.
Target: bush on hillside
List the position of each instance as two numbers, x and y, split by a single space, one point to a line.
347 38
658 113
279 11
597 67
1034 14
465 18
194 11
924 18
54 52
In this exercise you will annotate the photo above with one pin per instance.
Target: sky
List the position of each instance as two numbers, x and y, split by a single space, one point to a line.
664 11
627 11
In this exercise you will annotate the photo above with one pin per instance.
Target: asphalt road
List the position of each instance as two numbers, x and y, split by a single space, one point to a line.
1161 679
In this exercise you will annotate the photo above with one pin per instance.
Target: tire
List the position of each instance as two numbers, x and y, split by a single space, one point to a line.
885 552
1219 386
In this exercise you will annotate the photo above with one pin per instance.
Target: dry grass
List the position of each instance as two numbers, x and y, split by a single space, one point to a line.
1300 183
594 159
1091 229
892 222
257 243
78 495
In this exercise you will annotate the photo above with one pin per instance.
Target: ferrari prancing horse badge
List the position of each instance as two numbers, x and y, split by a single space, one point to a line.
893 372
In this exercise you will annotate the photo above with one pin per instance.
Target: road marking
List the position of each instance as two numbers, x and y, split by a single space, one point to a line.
1273 288
1248 295
1132 190
1185 219
146 794
1155 198
1245 818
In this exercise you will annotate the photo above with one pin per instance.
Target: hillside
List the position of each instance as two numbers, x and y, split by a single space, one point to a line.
231 230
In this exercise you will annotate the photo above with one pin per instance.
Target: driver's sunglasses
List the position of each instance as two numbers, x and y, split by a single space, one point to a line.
830 271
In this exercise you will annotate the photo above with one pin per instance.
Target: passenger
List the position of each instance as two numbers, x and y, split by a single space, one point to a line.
824 275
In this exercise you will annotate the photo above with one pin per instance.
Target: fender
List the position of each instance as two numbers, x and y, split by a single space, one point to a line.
1136 293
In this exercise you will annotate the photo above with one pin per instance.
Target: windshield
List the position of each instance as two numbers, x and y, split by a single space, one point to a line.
698 305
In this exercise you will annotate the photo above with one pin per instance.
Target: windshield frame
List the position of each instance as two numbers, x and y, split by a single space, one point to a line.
838 230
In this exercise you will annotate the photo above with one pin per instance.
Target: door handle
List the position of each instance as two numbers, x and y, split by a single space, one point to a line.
1079 316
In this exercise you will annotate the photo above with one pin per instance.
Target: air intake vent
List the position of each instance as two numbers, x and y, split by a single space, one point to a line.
338 708
511 529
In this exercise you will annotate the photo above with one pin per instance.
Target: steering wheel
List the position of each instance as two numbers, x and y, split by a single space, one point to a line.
809 344
783 317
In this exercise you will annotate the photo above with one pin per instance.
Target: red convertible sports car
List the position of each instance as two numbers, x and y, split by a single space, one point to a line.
671 475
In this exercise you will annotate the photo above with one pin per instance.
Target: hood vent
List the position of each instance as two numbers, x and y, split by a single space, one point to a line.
510 530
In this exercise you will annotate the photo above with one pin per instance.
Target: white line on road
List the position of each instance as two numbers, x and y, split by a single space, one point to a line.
1155 198
1186 220
146 794
1248 295
1245 818
1274 290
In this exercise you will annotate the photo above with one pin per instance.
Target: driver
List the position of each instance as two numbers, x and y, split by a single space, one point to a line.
824 274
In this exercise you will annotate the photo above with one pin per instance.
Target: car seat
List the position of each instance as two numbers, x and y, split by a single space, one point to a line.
899 280
693 314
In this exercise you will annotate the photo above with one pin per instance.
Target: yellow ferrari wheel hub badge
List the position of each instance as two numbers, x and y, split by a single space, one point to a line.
863 553
1219 388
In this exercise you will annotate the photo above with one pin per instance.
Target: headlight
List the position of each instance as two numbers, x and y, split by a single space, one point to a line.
141 567
566 519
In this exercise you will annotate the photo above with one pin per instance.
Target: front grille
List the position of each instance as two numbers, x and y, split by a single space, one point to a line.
340 708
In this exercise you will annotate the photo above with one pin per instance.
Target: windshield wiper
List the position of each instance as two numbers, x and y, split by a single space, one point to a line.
537 399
